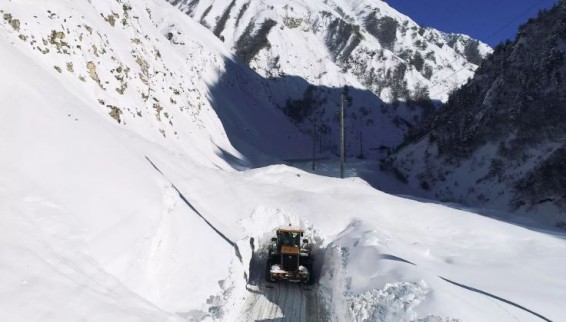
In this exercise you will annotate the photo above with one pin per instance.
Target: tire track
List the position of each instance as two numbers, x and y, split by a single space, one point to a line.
282 301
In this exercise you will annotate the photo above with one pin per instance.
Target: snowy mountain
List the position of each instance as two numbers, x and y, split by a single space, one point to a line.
309 50
499 142
124 198
321 40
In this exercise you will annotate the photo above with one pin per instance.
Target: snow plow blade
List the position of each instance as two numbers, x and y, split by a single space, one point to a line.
289 276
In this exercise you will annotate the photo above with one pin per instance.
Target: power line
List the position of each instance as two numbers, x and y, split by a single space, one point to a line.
507 24
446 90
458 83
516 17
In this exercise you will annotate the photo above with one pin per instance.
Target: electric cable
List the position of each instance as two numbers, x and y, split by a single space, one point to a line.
507 24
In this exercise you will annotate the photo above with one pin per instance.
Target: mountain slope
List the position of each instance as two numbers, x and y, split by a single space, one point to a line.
499 142
94 89
308 51
318 40
125 65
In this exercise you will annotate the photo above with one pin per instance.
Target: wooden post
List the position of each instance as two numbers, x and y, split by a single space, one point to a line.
361 145
313 143
342 135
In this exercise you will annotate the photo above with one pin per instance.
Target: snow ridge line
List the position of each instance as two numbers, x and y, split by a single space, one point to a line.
188 203
497 298
473 289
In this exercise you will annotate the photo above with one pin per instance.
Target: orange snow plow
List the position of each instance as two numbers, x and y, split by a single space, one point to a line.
289 257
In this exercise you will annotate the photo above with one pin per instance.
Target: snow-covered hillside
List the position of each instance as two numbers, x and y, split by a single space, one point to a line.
83 84
309 50
119 200
117 55
331 43
499 142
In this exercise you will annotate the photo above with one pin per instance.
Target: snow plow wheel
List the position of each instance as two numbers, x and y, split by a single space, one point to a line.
268 271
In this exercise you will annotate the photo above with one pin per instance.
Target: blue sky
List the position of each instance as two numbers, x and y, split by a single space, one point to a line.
490 21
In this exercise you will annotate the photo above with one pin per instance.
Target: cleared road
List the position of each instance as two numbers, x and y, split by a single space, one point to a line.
283 301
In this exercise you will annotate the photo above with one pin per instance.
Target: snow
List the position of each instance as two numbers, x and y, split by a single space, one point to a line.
101 220
47 272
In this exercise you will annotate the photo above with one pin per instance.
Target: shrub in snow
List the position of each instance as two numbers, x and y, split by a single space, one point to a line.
472 52
250 44
417 61
384 29
342 38
221 23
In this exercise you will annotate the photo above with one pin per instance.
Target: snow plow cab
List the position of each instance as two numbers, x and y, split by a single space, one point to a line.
289 257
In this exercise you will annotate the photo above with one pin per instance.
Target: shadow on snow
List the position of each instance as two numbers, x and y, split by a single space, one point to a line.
271 119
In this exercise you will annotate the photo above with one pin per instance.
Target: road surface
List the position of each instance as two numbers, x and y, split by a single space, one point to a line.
282 301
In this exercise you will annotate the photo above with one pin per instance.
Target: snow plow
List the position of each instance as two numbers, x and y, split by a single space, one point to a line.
289 257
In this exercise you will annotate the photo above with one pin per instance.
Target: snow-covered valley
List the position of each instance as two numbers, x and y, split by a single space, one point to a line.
123 198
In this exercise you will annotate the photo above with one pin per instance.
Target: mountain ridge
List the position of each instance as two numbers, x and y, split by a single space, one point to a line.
504 128
326 46
350 34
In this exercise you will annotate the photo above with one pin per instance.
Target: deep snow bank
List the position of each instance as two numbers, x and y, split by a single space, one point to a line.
87 223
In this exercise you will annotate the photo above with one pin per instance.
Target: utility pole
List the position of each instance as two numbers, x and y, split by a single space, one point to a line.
342 135
313 143
361 145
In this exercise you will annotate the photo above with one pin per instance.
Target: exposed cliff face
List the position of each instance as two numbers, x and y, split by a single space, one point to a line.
499 141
